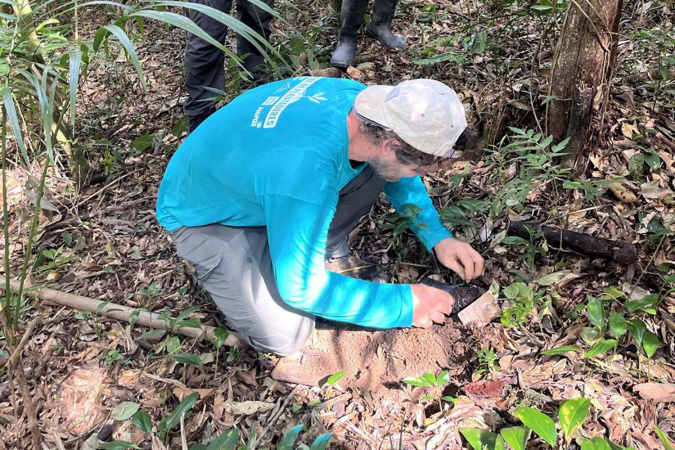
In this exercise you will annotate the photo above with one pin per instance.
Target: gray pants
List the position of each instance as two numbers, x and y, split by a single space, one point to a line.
204 63
234 266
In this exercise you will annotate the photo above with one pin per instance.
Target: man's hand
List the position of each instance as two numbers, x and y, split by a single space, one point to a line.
430 305
460 257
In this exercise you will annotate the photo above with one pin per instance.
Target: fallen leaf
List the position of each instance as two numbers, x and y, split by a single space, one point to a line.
355 73
247 408
628 129
659 392
622 193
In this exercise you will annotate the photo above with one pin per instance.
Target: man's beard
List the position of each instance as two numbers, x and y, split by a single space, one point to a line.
386 170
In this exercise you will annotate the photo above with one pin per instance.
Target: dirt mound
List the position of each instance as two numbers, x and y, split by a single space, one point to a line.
377 361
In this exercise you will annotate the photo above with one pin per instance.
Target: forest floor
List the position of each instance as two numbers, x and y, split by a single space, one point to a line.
102 241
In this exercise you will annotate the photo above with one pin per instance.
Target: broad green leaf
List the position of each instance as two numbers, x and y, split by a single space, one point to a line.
180 126
416 381
591 335
516 437
617 325
638 330
561 350
142 421
335 377
538 422
321 442
431 378
152 334
600 347
286 442
190 323
226 441
124 410
595 444
572 415
173 419
667 445
596 312
650 343
131 51
645 303
187 358
142 143
612 293
552 278
480 439
172 344
514 240
219 337
186 312
118 445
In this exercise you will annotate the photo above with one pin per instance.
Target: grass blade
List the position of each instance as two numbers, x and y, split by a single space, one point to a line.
131 51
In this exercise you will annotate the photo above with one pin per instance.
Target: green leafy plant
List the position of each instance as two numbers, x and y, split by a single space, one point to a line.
571 416
487 360
524 162
400 221
337 376
521 304
434 382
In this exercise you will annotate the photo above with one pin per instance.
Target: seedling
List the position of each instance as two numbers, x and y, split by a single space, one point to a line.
487 360
571 416
435 383
332 380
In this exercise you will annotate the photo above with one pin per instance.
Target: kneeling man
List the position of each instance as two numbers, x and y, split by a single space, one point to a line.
266 191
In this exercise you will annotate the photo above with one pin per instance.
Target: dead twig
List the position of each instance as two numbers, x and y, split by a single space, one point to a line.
24 340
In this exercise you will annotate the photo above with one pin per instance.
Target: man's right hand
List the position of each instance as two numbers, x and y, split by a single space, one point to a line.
430 305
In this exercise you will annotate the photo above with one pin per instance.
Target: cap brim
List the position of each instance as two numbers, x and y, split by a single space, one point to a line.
370 104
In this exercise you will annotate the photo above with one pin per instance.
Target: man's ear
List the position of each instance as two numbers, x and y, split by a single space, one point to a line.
389 146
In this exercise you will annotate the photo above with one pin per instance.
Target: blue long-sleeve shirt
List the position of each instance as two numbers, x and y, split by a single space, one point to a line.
277 156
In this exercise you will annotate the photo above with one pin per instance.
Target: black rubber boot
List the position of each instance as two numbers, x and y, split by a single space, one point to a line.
380 25
352 19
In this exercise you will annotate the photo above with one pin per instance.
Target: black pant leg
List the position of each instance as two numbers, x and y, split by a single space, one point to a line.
204 63
259 20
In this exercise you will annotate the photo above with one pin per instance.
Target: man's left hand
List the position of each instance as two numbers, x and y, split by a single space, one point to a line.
460 257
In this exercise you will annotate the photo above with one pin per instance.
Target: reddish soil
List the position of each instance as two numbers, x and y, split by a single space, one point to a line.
377 361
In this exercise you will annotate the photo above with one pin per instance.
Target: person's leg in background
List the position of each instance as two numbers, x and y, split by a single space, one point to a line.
351 18
204 63
380 25
259 20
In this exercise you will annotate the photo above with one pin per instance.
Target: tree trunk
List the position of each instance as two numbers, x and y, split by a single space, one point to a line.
583 70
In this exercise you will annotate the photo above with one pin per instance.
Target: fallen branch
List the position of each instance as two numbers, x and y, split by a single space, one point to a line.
619 251
120 312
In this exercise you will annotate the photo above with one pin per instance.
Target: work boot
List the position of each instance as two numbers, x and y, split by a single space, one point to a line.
195 121
380 25
352 19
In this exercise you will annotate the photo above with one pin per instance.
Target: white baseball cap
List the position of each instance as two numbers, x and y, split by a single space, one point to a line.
426 114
